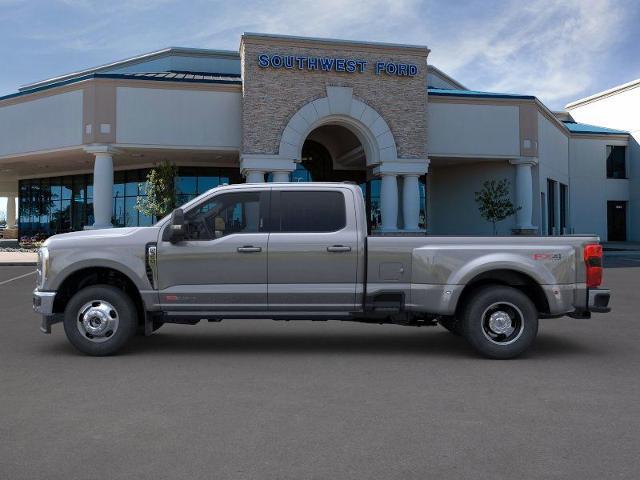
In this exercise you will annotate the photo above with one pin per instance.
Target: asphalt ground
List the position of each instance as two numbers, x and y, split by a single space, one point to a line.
322 400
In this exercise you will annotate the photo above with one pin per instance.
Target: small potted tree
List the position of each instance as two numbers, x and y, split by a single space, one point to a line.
494 202
160 199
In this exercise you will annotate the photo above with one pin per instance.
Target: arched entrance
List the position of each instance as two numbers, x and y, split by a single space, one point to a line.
341 138
333 153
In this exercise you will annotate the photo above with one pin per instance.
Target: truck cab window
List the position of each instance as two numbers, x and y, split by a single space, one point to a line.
224 215
308 211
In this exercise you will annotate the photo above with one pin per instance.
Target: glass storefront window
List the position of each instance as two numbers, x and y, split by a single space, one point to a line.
67 189
118 212
65 216
131 186
300 174
207 183
118 185
186 184
90 186
55 205
131 214
61 204
56 189
422 219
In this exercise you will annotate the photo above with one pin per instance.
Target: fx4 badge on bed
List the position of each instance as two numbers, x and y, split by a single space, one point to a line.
554 257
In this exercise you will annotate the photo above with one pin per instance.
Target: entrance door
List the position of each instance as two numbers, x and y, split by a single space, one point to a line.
313 251
222 264
617 221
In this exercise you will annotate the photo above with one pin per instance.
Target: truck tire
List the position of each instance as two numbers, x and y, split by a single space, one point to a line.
499 322
100 319
452 324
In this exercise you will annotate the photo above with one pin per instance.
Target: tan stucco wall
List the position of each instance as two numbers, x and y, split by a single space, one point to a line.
272 96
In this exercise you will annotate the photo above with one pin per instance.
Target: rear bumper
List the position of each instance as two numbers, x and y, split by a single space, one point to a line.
598 300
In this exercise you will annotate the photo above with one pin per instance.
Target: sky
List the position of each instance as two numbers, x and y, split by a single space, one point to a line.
557 50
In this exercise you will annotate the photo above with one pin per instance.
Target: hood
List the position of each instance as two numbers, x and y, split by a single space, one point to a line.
106 236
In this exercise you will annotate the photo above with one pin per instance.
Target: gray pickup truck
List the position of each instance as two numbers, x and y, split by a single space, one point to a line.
294 251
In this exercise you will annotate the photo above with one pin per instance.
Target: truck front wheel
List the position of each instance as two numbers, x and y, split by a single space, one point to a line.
100 319
499 322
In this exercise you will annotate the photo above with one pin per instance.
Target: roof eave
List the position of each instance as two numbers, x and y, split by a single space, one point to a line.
422 49
446 77
115 76
605 93
130 61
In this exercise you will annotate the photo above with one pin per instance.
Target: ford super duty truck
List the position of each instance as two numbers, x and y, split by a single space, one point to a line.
293 251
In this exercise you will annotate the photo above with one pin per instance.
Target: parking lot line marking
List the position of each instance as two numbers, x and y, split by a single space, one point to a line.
17 278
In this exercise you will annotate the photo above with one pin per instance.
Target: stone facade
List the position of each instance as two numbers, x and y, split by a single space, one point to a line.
272 96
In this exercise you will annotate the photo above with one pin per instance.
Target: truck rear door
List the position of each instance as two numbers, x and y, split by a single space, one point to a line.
313 251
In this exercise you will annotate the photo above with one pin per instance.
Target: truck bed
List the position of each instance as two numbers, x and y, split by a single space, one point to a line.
431 272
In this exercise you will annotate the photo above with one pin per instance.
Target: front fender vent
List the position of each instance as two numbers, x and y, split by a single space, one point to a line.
151 263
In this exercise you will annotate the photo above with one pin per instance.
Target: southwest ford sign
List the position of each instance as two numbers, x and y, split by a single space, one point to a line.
334 64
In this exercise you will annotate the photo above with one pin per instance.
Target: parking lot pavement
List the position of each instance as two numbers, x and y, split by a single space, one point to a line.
325 400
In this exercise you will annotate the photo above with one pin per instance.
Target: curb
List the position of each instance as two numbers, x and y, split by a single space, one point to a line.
18 264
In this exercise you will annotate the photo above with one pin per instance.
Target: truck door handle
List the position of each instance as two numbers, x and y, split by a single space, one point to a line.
339 248
249 249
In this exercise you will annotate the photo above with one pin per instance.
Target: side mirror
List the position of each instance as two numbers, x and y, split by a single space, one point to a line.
176 229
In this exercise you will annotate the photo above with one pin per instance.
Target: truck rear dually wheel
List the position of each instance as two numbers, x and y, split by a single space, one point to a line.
100 319
499 322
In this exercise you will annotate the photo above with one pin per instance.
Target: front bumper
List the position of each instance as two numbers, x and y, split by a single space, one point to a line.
43 304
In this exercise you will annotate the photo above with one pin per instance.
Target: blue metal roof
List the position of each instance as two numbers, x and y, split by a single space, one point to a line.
188 77
575 127
444 92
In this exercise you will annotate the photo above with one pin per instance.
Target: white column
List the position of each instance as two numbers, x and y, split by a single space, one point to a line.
254 165
254 176
102 185
11 212
411 202
389 202
252 209
280 176
524 193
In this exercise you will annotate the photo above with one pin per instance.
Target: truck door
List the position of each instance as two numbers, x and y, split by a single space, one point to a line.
222 263
313 251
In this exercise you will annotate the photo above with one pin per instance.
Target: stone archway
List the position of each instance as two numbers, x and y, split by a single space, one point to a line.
339 107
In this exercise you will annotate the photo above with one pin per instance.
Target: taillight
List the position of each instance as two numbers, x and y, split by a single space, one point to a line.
593 261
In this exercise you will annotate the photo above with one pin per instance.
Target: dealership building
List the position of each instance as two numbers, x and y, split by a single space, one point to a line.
75 149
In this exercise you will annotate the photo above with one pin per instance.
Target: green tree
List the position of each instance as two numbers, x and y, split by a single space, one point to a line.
494 202
160 191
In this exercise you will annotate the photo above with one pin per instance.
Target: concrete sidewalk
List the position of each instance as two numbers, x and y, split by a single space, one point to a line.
18 258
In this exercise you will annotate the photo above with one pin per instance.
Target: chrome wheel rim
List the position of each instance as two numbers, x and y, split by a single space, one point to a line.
502 323
97 321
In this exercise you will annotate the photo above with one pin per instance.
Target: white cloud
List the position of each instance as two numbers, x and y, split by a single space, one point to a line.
350 19
547 48
542 47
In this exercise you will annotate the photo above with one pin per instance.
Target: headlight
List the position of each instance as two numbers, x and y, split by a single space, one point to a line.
43 266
